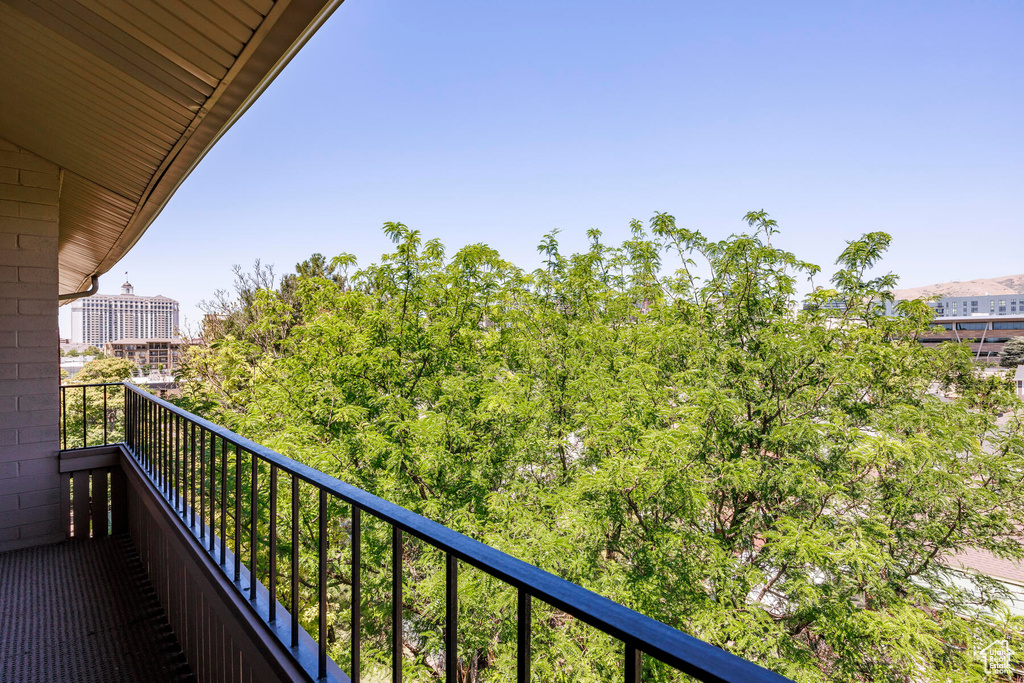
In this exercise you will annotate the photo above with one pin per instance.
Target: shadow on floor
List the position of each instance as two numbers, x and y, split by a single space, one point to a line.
83 610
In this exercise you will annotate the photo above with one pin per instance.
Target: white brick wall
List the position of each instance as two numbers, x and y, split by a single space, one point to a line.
29 360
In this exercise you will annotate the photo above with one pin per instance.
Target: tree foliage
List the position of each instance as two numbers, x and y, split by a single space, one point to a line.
655 421
1012 354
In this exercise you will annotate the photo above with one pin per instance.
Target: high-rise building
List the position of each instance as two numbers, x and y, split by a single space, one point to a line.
102 318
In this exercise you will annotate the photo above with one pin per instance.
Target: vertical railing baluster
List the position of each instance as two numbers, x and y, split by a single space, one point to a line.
85 437
273 543
213 492
192 474
105 415
223 501
164 451
523 634
165 433
175 460
451 618
158 451
322 587
64 416
295 561
238 514
176 455
253 520
357 591
172 460
154 455
179 465
396 605
202 483
181 454
146 429
129 426
144 417
633 664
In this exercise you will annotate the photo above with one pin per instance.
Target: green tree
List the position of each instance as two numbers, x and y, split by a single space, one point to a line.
655 421
94 351
1012 354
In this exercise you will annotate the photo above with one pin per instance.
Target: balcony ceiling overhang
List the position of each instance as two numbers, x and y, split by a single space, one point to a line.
127 96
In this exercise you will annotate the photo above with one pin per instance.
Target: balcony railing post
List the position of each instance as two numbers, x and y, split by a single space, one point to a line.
273 543
357 591
237 533
126 416
202 482
295 562
176 459
223 501
322 586
85 433
633 664
396 605
523 635
192 477
451 612
253 523
161 436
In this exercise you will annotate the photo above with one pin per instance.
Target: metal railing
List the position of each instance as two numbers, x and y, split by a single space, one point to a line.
99 417
211 477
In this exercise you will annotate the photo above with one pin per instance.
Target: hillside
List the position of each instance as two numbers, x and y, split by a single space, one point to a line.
1006 284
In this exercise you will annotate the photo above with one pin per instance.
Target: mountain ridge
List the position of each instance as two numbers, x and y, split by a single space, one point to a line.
992 286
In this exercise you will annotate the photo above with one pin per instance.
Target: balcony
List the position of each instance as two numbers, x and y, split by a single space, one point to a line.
188 536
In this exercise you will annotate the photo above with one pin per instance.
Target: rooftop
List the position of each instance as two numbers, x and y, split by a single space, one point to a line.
149 340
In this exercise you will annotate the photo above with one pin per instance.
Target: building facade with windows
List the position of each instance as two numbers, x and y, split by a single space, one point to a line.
99 319
985 335
152 354
984 323
966 306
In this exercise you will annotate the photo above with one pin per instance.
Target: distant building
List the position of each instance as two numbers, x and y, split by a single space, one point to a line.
101 318
837 306
985 335
967 306
148 353
984 323
72 366
1018 380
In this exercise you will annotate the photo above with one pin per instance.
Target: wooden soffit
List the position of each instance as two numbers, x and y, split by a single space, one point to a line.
127 96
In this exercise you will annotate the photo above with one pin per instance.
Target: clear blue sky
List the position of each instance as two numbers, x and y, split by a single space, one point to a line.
497 122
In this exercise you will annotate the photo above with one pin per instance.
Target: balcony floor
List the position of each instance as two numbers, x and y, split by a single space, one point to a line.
83 610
